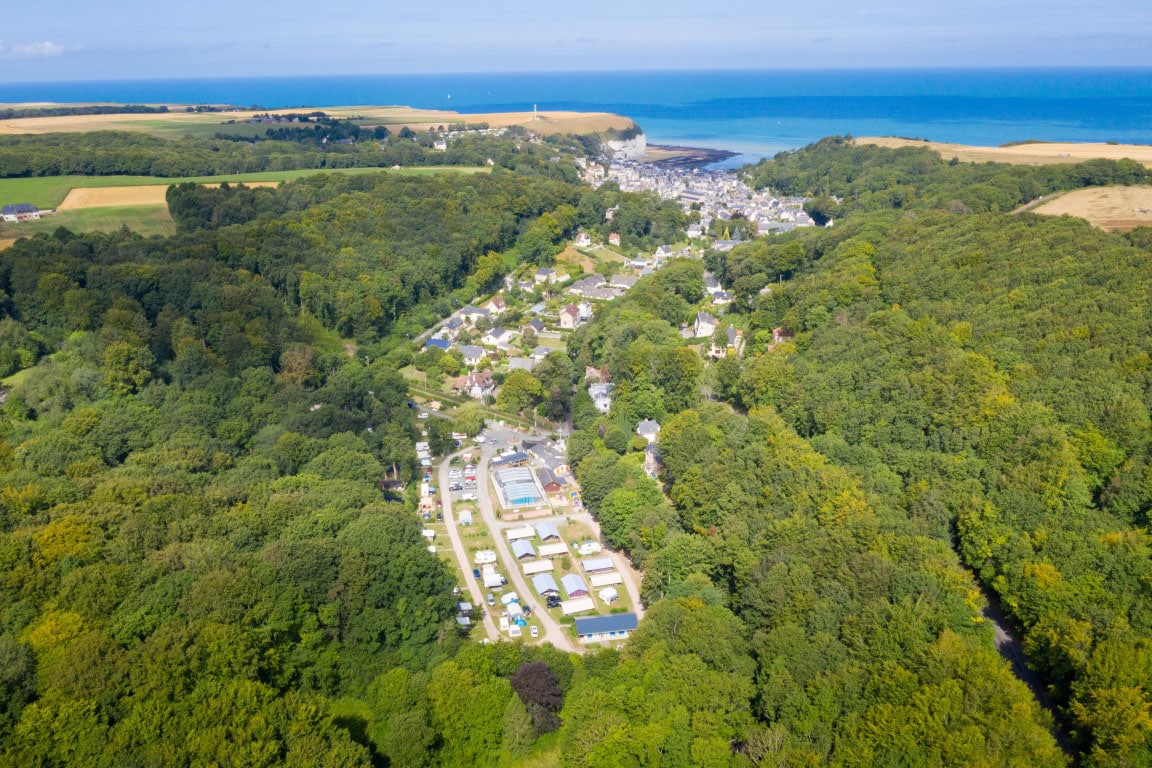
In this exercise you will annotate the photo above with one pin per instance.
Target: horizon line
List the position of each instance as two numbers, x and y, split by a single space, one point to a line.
625 71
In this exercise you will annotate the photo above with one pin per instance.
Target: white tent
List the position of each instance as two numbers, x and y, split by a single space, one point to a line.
609 595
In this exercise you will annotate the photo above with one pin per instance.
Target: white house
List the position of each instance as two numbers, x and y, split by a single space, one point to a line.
472 354
583 240
705 325
648 429
569 317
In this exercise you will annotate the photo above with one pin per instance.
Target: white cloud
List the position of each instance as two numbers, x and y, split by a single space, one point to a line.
41 50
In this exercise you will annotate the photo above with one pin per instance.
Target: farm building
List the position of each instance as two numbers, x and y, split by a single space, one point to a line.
574 586
558 549
598 564
524 532
609 594
537 566
547 531
609 579
545 585
522 549
19 212
517 487
597 629
569 607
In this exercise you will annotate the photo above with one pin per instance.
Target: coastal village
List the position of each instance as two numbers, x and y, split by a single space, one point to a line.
506 502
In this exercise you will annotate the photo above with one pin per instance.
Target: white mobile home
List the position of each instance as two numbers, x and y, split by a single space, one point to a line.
552 550
609 579
537 566
515 534
579 605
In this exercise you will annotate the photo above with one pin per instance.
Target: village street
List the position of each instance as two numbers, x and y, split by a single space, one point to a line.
474 591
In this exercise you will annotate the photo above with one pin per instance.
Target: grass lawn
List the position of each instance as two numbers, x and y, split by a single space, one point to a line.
145 219
50 191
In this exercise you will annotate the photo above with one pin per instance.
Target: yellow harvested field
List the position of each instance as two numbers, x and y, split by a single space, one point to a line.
1116 209
416 119
6 241
102 197
1042 153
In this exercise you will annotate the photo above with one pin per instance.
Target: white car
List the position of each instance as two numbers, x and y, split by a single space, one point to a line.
453 474
422 415
534 631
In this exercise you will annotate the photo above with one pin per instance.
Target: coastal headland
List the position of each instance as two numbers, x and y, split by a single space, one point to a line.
1022 153
178 121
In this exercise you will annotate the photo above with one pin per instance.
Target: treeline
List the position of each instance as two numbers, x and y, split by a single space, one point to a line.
13 113
986 379
104 153
871 178
318 129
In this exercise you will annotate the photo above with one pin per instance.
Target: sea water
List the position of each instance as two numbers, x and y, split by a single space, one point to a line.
755 113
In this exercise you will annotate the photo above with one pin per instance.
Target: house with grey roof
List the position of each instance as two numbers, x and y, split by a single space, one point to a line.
648 429
472 354
574 586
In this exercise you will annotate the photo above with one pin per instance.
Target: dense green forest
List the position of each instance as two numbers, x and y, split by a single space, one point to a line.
867 178
198 565
986 381
107 153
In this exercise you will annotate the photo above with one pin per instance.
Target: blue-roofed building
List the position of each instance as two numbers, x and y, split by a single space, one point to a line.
597 629
443 344
523 549
598 564
515 459
517 487
573 586
547 531
545 585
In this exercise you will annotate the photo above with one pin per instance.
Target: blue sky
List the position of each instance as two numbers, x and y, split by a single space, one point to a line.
133 39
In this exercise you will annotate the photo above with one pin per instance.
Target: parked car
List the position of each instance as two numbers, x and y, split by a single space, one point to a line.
534 631
553 602
422 415
491 599
475 573
455 487
453 473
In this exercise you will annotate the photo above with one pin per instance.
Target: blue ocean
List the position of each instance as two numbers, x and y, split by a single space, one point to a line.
754 113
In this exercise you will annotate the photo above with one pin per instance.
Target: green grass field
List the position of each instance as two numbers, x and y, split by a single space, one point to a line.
145 219
50 191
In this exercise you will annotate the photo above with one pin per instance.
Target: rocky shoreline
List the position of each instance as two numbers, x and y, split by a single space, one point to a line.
688 157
